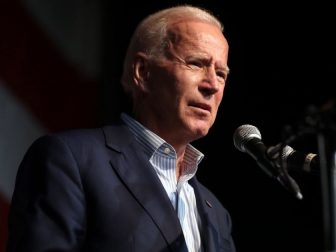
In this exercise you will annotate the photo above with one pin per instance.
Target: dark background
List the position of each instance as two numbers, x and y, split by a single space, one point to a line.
282 61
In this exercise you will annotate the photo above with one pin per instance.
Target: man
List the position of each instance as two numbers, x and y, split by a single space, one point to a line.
131 186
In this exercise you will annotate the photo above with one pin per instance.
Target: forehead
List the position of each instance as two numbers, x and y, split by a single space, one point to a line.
196 35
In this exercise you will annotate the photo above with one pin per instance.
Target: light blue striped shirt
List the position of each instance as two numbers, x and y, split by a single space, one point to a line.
162 156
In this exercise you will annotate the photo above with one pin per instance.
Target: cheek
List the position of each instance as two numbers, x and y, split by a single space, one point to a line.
218 98
188 85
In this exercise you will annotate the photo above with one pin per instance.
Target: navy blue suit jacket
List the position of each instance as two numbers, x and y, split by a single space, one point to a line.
93 190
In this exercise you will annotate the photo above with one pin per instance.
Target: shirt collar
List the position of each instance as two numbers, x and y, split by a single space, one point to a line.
152 142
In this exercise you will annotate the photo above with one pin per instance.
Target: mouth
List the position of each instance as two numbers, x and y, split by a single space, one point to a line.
202 106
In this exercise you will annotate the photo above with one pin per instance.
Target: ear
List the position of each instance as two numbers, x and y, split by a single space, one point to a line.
141 70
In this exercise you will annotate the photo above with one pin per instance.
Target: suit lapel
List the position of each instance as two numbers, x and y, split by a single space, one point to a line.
208 229
143 183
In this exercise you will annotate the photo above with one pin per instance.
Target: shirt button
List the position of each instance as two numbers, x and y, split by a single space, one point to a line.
167 150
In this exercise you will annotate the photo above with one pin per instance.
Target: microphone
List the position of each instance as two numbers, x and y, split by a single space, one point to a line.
293 160
247 139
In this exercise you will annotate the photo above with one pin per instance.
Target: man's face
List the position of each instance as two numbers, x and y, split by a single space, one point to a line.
185 88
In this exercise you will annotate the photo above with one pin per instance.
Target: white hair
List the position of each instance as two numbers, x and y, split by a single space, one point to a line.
150 36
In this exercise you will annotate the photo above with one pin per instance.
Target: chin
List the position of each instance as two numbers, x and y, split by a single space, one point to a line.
198 128
204 132
200 132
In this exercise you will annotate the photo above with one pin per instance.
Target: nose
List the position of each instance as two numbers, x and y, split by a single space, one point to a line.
209 84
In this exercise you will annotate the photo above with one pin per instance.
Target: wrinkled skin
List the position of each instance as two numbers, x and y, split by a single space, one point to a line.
180 93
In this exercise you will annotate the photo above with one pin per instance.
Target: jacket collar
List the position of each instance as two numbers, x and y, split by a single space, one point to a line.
142 181
144 184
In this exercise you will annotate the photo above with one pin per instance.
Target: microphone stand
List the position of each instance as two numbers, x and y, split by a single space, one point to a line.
324 123
326 148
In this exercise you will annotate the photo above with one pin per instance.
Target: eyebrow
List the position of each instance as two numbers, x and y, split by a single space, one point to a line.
202 57
205 57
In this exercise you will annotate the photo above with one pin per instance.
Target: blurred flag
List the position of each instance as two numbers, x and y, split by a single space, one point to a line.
49 68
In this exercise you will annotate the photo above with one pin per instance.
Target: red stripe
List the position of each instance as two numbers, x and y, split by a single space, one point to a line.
34 69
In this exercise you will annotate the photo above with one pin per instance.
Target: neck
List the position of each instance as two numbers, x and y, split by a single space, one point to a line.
179 166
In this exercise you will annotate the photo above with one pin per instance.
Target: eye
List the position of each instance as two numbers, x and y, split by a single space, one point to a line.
222 75
195 63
